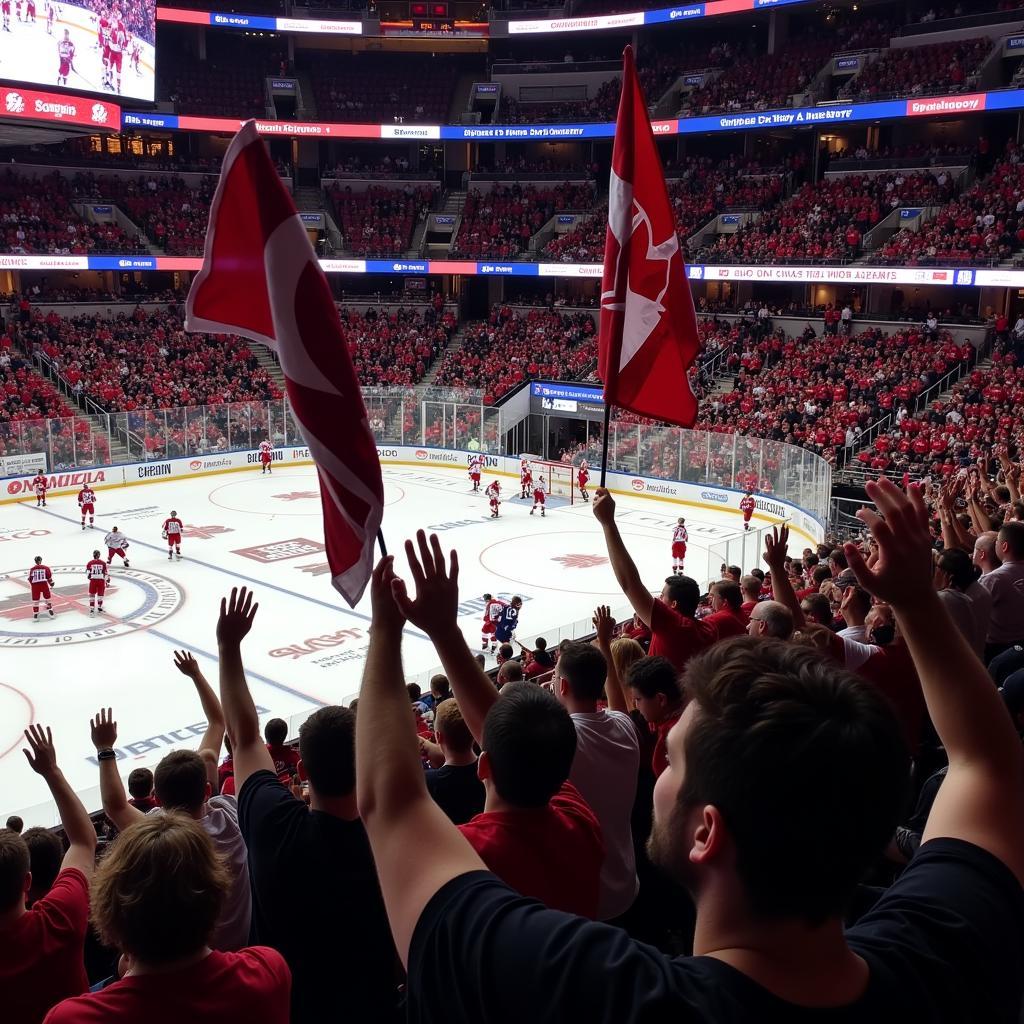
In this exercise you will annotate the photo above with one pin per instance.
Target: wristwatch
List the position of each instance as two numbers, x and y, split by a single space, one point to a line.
106 754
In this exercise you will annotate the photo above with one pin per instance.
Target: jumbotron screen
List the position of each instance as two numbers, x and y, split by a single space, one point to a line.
89 46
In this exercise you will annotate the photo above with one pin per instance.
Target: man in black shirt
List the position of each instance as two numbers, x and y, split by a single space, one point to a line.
316 898
784 783
455 786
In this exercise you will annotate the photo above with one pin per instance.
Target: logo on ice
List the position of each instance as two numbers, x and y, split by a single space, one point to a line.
296 547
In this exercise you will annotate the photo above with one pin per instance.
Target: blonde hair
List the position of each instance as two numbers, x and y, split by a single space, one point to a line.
625 651
448 721
159 891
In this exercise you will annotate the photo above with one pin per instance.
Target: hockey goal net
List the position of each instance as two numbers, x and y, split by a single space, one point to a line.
559 477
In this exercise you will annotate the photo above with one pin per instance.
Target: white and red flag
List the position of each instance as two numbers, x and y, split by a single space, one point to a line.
648 337
261 279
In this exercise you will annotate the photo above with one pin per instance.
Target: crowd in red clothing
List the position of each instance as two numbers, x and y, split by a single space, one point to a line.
822 393
981 415
500 222
981 226
599 107
36 216
146 361
826 220
396 349
171 212
921 70
378 221
509 347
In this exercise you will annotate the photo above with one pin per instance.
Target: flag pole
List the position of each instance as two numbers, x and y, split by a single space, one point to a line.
380 537
604 440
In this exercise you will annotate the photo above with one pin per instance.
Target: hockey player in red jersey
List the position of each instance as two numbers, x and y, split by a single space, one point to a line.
87 504
39 485
172 534
679 539
492 613
266 456
117 41
747 506
98 576
30 11
65 58
525 478
493 495
539 495
40 579
5 7
476 466
582 476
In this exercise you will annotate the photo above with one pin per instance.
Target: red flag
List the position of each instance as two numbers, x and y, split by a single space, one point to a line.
261 279
648 337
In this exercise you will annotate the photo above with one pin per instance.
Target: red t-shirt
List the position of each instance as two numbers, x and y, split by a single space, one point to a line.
41 953
747 607
659 756
552 853
251 986
285 758
727 622
678 637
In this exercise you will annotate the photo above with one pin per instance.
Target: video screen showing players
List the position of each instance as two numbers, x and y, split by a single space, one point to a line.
89 46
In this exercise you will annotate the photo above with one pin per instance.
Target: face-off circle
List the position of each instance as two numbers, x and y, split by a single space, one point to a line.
135 600
16 714
282 494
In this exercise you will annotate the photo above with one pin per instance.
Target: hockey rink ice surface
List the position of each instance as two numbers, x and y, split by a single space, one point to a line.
307 647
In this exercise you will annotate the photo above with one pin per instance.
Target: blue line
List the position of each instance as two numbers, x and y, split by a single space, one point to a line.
259 583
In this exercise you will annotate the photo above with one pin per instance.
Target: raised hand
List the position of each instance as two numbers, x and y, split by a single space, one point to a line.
604 623
42 758
776 547
604 506
902 573
186 664
386 613
436 605
236 615
103 729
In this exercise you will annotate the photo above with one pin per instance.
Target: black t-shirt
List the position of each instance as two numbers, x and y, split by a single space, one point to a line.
944 944
316 899
457 790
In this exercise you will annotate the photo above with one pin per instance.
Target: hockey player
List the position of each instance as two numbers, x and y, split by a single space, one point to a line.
506 628
266 455
65 58
492 614
525 478
98 576
87 504
5 7
540 489
679 539
172 534
747 506
51 14
117 544
493 495
40 579
117 41
582 476
30 11
476 466
136 57
39 485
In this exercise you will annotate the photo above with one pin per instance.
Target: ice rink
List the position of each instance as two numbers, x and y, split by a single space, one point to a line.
306 648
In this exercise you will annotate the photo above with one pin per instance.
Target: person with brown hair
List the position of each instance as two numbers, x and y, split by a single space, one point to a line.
157 897
455 785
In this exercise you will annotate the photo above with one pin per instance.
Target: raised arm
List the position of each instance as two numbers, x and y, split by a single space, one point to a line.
626 573
614 690
212 739
775 549
42 759
248 751
436 611
394 804
982 799
103 731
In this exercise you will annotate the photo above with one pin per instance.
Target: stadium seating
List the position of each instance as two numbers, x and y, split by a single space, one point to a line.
921 70
500 222
229 86
395 349
36 216
509 347
378 221
826 220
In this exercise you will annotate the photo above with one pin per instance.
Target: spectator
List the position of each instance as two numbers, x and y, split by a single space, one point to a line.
726 603
969 603
750 587
15 824
854 608
657 695
157 898
1006 587
771 619
295 850
140 789
41 949
455 785
675 633
285 758
46 855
